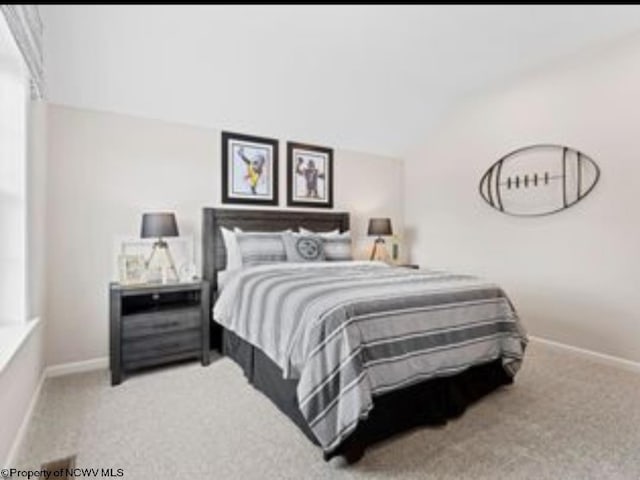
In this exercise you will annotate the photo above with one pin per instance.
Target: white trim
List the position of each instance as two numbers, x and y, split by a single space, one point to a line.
17 441
50 372
595 356
22 331
100 363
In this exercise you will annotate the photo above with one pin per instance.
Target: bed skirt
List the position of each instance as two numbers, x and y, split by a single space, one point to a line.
431 402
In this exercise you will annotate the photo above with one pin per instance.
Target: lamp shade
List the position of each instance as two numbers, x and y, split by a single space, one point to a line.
379 227
158 225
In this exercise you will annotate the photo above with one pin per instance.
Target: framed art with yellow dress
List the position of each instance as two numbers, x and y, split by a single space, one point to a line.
249 169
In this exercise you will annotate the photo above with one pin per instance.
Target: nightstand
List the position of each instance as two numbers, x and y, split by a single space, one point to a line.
155 324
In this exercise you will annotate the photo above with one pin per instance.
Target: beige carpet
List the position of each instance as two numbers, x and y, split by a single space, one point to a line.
565 418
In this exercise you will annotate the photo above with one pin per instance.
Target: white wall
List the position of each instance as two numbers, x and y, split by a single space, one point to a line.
574 275
106 169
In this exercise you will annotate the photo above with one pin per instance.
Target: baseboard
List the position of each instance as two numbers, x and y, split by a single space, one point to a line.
595 356
17 441
51 371
101 363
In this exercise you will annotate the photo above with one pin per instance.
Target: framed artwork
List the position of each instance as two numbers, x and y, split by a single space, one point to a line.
309 176
249 169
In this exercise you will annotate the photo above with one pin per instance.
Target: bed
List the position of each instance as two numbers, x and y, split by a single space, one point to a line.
354 373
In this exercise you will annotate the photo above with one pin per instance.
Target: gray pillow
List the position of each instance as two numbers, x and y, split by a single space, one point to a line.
303 248
261 247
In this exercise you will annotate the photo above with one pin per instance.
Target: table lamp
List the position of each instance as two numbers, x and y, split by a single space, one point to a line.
159 226
379 227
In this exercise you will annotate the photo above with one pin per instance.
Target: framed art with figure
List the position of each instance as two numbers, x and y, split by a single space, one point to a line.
249 169
309 176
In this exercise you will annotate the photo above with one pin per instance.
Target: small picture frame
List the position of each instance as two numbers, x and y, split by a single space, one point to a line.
132 269
309 176
182 251
249 169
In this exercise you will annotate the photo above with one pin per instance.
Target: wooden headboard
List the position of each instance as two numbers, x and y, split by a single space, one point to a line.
214 255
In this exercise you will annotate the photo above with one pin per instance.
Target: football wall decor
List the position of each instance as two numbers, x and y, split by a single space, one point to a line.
539 180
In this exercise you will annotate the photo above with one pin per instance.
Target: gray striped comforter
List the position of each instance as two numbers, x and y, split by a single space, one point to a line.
352 330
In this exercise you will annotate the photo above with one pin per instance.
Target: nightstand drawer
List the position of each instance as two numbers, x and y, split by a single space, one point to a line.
160 345
162 359
153 323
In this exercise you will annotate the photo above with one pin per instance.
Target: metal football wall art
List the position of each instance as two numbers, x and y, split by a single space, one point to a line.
539 180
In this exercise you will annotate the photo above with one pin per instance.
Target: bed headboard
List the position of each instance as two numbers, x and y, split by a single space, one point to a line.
214 255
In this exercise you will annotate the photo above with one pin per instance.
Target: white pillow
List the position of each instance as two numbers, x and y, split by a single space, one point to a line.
234 258
322 234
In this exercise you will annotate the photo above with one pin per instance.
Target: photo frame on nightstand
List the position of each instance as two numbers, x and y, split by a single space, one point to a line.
132 269
127 250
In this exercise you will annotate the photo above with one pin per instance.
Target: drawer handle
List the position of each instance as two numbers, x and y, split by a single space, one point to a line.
166 325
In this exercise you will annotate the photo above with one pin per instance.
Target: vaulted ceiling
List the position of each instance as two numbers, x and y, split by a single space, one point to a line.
371 78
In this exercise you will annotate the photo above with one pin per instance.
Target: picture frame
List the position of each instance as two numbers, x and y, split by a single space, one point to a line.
182 250
132 269
249 169
309 176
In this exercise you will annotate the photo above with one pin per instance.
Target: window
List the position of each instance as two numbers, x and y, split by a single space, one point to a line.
14 92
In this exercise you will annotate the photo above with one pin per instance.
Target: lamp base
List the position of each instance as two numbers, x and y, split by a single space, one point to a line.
158 247
378 250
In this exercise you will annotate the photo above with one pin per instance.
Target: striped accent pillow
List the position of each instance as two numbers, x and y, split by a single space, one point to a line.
261 247
337 246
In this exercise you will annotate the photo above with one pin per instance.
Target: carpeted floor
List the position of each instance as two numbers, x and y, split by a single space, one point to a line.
565 418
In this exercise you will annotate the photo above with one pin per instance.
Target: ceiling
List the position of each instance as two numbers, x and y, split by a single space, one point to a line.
374 78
